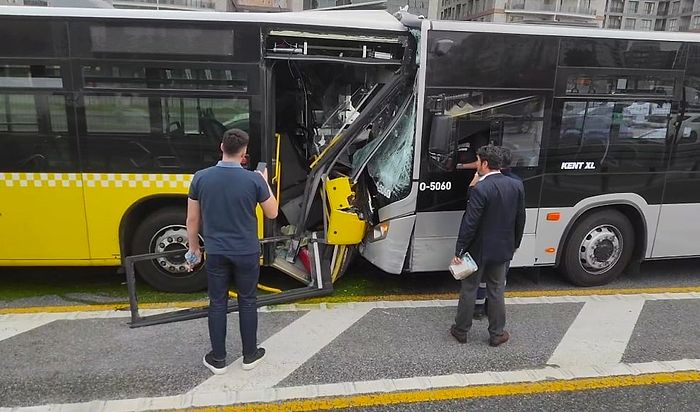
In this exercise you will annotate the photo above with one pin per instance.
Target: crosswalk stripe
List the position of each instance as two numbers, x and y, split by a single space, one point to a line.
599 334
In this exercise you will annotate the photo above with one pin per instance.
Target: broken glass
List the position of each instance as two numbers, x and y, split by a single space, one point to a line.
391 166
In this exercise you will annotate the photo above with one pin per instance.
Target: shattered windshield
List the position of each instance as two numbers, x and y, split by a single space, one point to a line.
391 166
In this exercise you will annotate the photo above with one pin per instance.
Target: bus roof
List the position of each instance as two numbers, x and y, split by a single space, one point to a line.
351 19
357 19
565 31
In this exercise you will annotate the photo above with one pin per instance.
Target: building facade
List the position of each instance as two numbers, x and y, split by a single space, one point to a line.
673 15
645 15
576 12
201 5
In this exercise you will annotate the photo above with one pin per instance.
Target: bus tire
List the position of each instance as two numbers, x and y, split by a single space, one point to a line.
165 230
598 249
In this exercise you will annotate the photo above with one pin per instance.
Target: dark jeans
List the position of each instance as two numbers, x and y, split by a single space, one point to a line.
495 277
245 270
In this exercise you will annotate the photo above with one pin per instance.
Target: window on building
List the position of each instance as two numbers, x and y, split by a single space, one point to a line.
673 25
695 23
676 7
630 24
634 7
648 8
616 6
614 22
646 25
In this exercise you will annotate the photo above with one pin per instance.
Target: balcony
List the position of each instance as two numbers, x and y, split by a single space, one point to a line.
540 7
616 9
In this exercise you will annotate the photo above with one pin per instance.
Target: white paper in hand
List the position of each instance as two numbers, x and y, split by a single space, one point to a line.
464 269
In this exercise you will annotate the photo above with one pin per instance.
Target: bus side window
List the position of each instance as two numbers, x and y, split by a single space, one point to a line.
33 134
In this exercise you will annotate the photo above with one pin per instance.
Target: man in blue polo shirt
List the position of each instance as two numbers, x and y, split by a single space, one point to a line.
222 201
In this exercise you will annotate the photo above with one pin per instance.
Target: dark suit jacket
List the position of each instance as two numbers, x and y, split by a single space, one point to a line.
493 224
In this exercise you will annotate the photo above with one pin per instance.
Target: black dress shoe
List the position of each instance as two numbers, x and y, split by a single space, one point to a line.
499 340
461 337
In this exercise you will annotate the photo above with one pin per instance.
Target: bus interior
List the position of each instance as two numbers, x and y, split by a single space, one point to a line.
322 85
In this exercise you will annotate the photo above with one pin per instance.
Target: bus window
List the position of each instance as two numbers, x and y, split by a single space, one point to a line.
166 134
620 136
480 118
642 54
34 76
32 134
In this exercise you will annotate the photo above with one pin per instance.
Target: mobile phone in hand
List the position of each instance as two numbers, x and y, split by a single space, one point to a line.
261 167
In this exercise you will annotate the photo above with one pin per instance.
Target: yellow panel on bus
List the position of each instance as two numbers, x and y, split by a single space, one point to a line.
74 218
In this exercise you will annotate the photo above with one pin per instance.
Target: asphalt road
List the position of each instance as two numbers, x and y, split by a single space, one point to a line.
672 397
636 351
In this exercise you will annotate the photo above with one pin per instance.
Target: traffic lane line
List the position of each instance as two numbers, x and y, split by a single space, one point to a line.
482 391
349 299
264 398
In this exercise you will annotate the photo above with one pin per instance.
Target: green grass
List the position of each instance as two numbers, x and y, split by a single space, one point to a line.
79 285
104 285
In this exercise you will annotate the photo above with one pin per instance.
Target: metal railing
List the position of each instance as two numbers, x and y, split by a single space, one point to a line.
321 285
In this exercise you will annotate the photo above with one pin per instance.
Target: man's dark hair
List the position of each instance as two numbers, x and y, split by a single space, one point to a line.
493 155
234 140
507 157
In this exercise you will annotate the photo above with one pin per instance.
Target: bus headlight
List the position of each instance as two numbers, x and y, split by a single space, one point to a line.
380 231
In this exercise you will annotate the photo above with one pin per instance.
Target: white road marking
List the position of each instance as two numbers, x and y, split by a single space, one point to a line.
287 350
221 396
599 335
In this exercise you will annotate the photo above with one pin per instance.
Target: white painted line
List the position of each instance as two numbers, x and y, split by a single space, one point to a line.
599 335
10 328
231 397
287 350
372 305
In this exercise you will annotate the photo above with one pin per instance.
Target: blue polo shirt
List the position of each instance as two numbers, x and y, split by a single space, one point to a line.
228 195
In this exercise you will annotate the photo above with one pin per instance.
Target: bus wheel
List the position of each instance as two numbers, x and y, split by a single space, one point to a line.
598 249
164 231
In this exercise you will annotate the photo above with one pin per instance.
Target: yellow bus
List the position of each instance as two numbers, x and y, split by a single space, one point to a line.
106 114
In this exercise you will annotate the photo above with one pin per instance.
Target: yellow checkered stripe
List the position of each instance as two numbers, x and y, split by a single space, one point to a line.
96 180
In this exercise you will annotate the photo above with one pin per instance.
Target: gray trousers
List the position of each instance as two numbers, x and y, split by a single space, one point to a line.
494 275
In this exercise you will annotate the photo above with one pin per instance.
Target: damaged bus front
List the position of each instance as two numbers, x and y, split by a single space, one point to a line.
345 110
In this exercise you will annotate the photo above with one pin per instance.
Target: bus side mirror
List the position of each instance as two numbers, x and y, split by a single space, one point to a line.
442 47
442 146
441 135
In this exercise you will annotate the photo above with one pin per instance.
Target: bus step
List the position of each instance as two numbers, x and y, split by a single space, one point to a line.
292 270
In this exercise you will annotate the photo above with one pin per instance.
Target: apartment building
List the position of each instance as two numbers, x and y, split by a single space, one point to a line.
575 12
201 5
673 15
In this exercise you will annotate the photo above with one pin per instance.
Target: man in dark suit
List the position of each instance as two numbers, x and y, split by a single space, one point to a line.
491 231
481 305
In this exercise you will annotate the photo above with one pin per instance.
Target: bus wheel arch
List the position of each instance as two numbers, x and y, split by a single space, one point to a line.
590 255
153 218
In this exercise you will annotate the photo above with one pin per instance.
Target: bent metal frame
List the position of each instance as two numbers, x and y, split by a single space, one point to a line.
321 285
